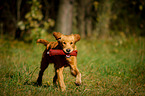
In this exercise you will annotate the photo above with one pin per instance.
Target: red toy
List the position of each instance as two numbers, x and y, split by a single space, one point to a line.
53 52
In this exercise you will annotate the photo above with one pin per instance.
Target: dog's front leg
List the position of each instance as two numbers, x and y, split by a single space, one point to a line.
60 78
75 72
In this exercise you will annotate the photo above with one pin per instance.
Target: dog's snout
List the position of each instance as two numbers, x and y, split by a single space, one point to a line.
68 50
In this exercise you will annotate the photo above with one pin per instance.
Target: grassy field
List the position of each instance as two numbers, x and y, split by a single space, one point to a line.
109 67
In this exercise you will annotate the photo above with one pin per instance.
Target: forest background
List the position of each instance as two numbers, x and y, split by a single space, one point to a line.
27 19
111 52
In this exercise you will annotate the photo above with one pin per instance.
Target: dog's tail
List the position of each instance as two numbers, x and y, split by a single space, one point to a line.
42 41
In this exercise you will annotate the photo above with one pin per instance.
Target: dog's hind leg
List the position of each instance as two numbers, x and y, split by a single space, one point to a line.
44 65
55 79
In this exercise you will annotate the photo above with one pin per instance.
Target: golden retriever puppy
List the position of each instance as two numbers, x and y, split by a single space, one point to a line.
67 44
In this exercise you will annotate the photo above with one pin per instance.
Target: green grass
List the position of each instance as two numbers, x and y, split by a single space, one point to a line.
109 67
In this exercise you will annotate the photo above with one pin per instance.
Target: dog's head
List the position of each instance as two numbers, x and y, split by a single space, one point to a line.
67 42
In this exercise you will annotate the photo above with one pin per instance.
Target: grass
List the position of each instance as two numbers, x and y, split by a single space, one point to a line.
109 67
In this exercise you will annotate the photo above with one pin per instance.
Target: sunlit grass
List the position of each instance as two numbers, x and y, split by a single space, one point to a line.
109 67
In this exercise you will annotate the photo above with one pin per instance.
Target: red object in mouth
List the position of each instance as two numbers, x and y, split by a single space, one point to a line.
53 52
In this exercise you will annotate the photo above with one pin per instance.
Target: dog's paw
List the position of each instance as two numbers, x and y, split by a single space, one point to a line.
78 81
38 83
63 88
77 84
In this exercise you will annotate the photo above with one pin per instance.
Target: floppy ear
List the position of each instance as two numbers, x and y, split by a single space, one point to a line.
57 35
77 37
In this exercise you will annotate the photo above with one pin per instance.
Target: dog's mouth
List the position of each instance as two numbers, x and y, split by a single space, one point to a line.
67 56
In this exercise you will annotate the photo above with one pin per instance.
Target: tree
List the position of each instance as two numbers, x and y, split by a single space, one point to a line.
104 16
64 17
34 21
89 18
18 31
88 21
81 17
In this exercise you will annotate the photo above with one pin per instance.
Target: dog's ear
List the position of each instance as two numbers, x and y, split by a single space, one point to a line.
77 37
57 35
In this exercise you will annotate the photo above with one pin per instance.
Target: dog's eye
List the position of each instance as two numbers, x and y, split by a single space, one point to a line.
64 43
71 42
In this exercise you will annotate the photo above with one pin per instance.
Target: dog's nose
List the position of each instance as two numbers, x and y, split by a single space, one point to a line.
68 50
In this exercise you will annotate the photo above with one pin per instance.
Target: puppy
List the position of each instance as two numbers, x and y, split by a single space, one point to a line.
67 44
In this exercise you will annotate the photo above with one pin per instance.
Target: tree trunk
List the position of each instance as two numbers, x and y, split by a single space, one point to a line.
81 18
47 9
1 29
64 18
18 31
89 27
18 9
88 18
104 18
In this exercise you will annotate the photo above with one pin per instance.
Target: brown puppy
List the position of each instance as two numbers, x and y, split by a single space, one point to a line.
67 44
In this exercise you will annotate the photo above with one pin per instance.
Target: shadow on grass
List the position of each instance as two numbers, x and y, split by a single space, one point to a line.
36 85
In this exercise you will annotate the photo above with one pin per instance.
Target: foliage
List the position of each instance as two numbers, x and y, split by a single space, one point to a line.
109 67
90 17
34 21
128 17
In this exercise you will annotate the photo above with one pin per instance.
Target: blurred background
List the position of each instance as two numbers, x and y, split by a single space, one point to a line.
111 53
32 19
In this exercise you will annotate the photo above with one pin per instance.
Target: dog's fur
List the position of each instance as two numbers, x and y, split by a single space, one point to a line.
67 44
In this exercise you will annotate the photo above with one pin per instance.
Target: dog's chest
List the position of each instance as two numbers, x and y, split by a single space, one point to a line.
63 61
